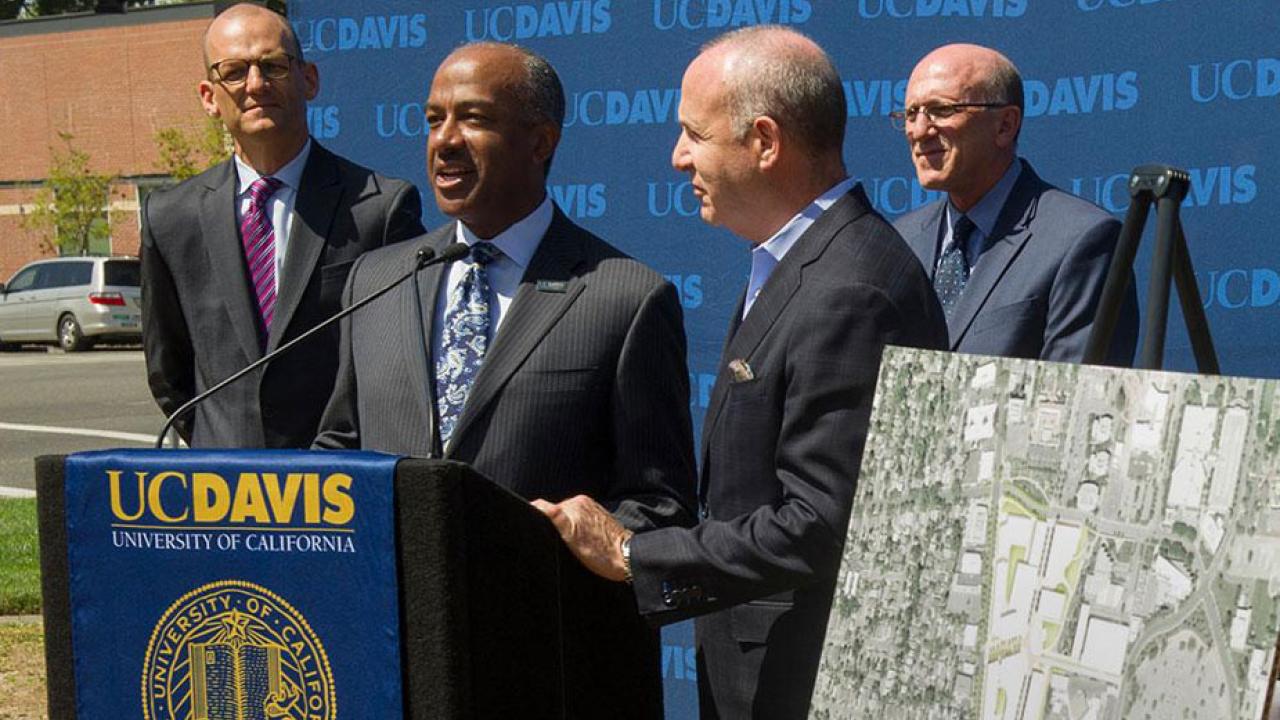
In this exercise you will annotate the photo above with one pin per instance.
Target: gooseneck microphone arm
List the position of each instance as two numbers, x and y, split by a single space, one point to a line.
426 257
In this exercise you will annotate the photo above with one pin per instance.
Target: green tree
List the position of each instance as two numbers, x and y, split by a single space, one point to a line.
184 153
71 208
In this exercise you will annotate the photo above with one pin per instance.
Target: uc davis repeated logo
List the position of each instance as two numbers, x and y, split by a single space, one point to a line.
235 649
698 14
871 9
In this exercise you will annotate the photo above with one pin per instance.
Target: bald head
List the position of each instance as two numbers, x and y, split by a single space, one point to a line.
987 74
774 71
232 20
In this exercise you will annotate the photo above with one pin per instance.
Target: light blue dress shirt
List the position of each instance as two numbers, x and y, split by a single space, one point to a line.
766 256
984 215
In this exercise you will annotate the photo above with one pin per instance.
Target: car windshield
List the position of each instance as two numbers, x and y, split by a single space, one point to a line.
122 272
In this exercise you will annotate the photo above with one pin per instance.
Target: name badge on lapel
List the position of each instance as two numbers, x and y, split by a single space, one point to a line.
553 286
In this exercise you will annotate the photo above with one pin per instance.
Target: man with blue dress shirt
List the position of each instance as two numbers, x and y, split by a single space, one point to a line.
1018 264
762 117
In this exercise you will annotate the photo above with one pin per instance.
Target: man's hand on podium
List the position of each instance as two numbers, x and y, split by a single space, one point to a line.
592 534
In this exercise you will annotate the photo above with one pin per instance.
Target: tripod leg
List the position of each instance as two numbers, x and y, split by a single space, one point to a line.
1113 291
1192 308
1152 357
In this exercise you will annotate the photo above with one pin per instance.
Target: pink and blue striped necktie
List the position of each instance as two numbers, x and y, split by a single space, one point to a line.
259 239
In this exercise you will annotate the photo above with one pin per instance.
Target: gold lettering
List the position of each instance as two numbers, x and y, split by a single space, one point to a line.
311 497
116 509
210 496
153 496
249 502
341 507
282 502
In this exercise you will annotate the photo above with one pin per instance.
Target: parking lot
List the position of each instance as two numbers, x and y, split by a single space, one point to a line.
57 403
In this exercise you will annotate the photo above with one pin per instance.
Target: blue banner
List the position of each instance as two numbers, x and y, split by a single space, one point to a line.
233 584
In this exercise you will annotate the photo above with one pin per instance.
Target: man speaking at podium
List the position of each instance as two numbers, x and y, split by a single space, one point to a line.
546 359
762 116
254 252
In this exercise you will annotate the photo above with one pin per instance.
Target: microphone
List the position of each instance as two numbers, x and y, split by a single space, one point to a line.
424 258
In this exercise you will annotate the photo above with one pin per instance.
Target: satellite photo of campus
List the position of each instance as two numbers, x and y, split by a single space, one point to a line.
1037 540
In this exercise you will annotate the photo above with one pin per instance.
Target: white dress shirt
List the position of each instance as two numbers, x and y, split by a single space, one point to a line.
281 203
517 243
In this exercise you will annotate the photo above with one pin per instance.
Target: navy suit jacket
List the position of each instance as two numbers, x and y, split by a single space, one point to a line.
1035 289
781 448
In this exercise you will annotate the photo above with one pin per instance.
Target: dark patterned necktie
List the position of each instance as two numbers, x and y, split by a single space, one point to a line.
953 268
464 338
259 238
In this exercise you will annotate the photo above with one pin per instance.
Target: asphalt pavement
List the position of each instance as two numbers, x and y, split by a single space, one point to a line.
56 403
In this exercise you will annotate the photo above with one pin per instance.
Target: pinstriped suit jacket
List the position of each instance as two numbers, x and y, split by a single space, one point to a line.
584 389
781 448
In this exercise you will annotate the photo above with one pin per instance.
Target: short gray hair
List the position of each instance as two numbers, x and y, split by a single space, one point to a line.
797 86
1002 85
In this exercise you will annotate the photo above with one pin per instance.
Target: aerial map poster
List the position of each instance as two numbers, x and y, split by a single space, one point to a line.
1037 540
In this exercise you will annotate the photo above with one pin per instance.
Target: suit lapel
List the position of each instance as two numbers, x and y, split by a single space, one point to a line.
313 209
778 291
1009 237
411 342
924 238
226 256
531 316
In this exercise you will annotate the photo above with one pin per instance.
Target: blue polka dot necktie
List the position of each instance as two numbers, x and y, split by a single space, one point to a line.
953 268
464 338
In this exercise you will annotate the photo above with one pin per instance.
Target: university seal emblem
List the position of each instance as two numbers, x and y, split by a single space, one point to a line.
232 650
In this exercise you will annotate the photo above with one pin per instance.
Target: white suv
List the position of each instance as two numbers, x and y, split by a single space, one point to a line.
73 301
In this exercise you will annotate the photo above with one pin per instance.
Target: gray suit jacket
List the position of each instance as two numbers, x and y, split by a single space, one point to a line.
780 456
1035 289
200 321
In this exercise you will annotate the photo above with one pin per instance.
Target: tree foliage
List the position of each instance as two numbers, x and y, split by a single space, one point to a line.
71 208
185 153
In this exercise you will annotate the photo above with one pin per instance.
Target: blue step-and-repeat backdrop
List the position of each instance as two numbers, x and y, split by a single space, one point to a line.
1111 84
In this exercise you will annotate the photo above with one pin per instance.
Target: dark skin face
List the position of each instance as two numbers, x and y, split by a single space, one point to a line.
485 158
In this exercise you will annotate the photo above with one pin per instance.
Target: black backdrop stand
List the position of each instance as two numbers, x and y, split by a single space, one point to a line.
1165 187
498 620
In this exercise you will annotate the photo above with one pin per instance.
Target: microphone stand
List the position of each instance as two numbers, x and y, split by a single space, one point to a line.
425 257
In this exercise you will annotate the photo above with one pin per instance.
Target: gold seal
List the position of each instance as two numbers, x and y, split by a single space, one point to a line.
232 650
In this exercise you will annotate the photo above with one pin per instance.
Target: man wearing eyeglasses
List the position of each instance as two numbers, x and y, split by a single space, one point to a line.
1018 264
252 253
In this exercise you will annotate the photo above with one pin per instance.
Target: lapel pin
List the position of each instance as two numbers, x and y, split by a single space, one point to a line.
740 370
553 286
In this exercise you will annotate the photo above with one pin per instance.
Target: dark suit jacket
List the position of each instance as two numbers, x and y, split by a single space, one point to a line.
583 390
1035 289
780 458
200 321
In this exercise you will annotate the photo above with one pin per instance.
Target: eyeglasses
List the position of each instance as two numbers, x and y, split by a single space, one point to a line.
236 72
936 112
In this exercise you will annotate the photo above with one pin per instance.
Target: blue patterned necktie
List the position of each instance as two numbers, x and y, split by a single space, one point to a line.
464 338
953 268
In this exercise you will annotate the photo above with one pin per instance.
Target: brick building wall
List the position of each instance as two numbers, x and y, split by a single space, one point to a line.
111 81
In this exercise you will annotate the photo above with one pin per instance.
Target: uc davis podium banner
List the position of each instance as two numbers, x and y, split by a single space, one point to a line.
233 584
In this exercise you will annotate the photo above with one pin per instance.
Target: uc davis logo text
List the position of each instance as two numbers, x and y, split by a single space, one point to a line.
1082 94
647 106
372 32
523 21
1235 80
173 497
1238 288
698 14
1215 185
871 9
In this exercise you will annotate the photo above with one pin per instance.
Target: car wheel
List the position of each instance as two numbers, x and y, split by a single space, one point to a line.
70 337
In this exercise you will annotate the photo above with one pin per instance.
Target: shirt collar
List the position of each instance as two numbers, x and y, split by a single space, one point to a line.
780 243
519 241
986 211
290 174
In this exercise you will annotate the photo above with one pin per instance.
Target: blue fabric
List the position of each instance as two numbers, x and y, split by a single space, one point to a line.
222 581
